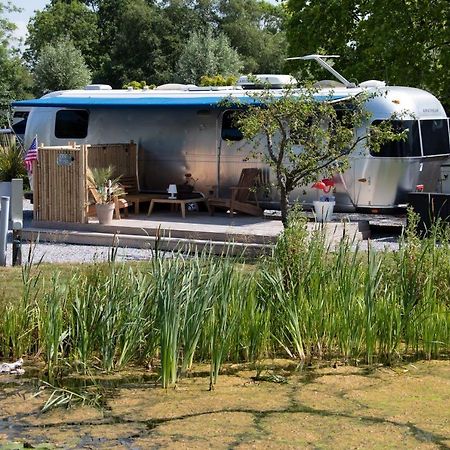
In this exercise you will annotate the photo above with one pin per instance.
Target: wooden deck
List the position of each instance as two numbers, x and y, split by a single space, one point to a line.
220 233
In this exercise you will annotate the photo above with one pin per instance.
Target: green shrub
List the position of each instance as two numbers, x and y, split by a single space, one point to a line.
11 162
217 80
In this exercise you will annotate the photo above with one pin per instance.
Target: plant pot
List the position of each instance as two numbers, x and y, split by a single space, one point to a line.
324 211
105 213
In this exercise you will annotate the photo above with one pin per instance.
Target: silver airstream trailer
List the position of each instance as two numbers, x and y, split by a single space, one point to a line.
183 129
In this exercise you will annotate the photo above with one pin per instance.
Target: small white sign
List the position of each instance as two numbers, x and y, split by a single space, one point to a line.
64 159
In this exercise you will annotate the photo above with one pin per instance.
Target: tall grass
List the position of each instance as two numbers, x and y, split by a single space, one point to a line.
169 293
53 326
305 301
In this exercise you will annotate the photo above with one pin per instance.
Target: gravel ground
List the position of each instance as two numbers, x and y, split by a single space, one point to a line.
69 253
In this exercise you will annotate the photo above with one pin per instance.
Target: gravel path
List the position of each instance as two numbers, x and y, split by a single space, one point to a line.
67 253
70 253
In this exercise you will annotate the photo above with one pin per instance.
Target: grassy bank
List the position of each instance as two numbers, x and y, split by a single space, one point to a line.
304 302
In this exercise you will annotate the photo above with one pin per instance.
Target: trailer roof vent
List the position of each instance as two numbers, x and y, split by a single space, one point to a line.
324 84
215 88
372 84
274 81
174 87
98 87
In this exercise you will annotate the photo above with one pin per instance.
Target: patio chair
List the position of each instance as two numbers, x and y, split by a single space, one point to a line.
240 195
132 194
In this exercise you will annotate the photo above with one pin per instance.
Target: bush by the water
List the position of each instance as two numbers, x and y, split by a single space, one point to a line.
305 301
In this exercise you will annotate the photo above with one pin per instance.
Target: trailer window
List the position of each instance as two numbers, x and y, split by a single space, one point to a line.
19 126
401 149
230 131
71 124
435 140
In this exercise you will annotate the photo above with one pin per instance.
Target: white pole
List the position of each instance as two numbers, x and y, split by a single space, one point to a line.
4 220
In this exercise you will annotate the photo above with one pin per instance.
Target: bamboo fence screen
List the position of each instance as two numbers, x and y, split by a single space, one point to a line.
60 188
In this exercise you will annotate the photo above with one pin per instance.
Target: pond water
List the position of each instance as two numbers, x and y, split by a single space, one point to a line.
333 406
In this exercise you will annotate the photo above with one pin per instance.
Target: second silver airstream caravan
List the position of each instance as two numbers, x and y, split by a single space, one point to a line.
183 129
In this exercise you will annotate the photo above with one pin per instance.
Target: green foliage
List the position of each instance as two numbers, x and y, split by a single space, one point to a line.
61 20
305 302
124 40
217 80
60 66
15 80
11 162
369 36
140 31
138 85
61 396
207 54
105 183
256 30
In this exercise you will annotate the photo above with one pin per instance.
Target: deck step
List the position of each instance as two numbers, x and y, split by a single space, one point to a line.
218 242
163 243
123 227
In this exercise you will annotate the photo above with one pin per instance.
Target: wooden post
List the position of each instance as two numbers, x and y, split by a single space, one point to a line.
17 248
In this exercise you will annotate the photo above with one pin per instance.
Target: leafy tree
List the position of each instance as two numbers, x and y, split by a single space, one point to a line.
15 81
109 13
60 66
207 55
138 50
255 30
123 40
71 20
404 42
303 139
144 39
92 4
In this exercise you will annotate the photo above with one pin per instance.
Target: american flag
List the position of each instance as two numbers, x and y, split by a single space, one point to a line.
31 155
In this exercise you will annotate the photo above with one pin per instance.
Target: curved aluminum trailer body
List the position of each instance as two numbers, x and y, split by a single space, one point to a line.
181 131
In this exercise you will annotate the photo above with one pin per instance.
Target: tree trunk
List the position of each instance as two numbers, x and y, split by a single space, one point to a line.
284 205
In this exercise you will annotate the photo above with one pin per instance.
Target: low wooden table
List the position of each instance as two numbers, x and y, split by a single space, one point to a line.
177 201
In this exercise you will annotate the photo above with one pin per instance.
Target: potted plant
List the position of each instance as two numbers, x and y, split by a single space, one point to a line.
323 207
11 165
106 190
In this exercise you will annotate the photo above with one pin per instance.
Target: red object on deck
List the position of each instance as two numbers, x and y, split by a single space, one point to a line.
325 185
319 185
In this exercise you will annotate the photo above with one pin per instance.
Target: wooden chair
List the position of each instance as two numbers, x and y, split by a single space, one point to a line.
130 185
119 203
240 195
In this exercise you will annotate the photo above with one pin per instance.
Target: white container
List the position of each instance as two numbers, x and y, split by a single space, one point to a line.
14 190
105 213
324 211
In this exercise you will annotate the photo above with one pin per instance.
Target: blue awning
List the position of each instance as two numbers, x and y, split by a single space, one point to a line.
148 102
